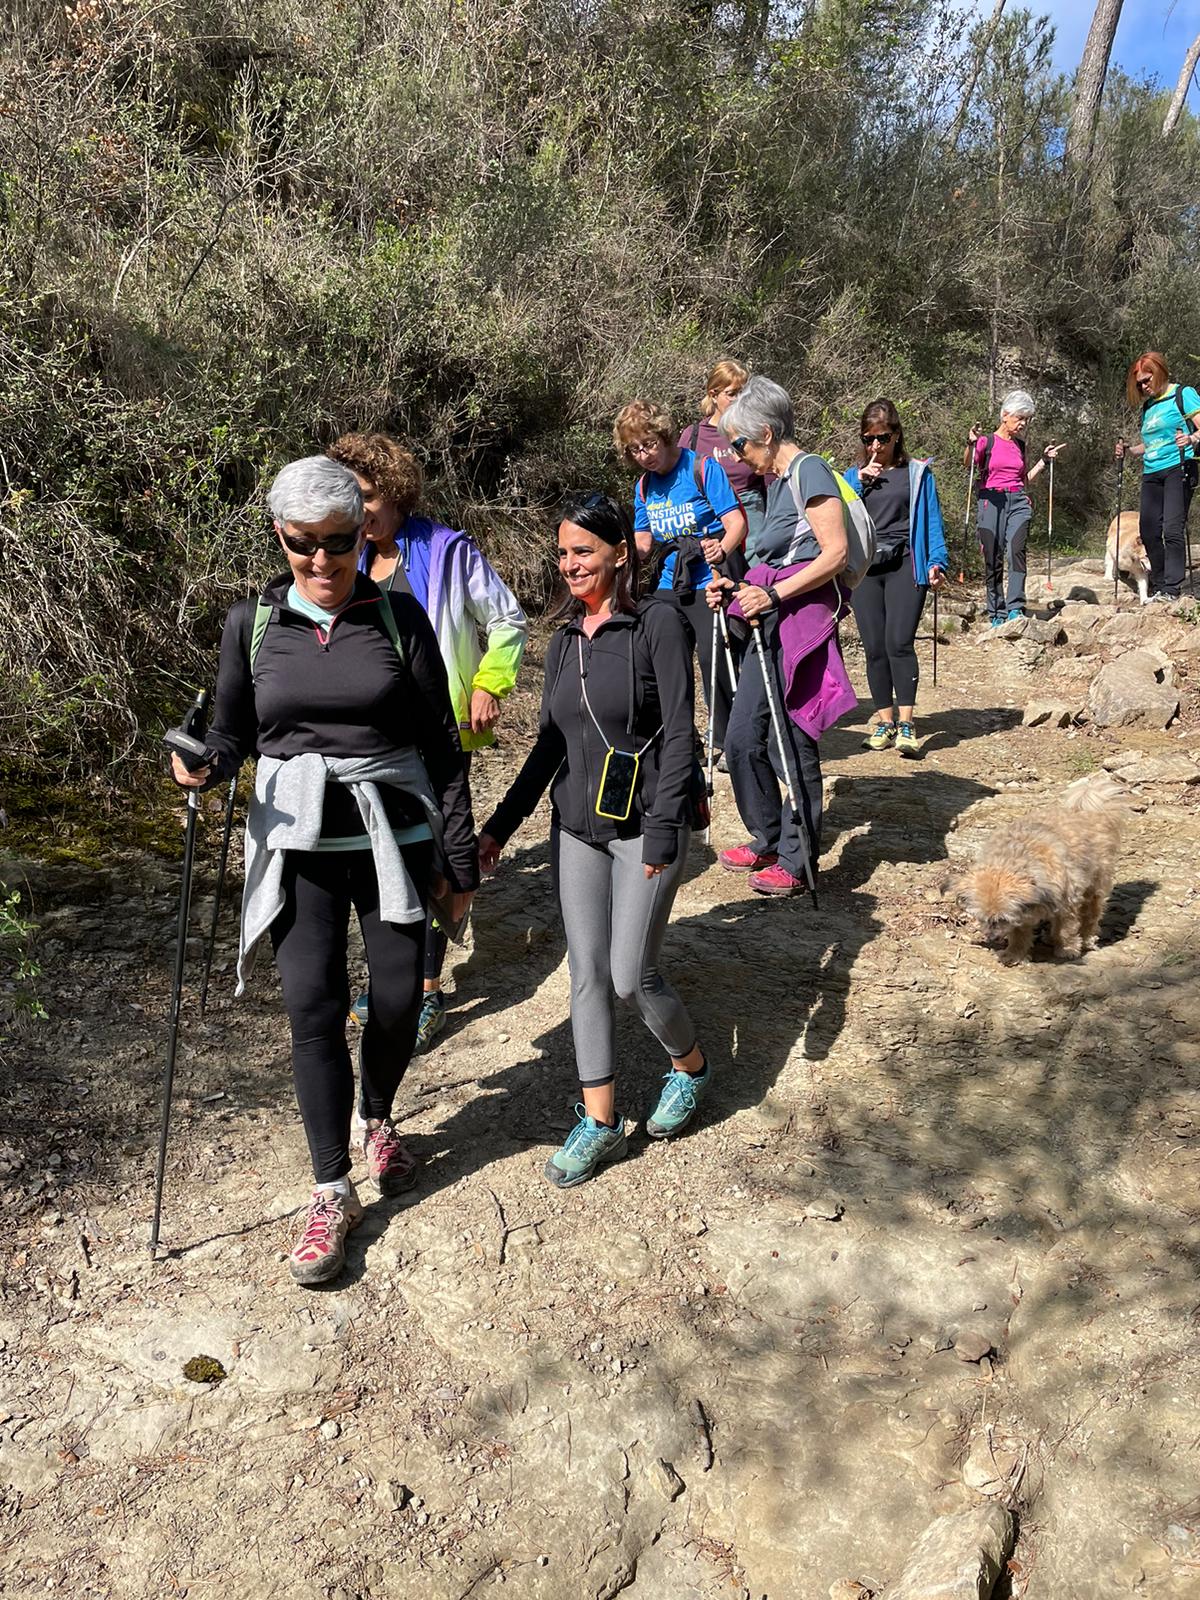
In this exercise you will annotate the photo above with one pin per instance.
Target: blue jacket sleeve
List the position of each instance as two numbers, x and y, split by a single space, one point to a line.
935 534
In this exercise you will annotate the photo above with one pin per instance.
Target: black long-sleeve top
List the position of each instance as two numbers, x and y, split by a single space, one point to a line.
345 692
569 752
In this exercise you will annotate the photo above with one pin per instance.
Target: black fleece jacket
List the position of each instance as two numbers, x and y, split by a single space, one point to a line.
345 693
569 752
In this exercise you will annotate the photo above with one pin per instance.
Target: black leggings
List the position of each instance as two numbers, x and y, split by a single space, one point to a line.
435 940
309 936
1162 520
887 607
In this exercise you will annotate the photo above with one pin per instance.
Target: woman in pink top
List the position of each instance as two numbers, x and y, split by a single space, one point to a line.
1003 509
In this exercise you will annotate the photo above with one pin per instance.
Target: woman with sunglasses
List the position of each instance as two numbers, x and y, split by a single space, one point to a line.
687 502
360 800
614 747
910 559
465 598
1170 432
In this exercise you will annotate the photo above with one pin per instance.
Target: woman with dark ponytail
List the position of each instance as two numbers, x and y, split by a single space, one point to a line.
910 559
614 747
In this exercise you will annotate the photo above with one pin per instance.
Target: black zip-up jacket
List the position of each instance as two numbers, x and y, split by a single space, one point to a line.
346 693
569 752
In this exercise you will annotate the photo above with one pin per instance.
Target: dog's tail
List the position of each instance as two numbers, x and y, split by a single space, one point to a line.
1099 791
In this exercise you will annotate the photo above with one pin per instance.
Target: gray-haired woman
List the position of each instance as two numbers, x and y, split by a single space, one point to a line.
360 800
798 552
1003 509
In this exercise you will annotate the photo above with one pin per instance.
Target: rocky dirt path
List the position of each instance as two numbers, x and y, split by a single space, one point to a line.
934 1239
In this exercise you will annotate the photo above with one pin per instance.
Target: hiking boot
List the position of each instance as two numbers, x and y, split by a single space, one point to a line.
681 1094
389 1160
776 880
360 1009
744 858
432 1020
320 1252
881 736
587 1145
906 741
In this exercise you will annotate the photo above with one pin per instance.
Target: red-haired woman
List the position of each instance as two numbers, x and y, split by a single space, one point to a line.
1170 433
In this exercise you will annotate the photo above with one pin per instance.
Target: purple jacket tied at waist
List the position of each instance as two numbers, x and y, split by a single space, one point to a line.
816 687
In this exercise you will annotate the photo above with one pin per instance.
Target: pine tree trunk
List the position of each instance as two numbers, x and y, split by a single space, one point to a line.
968 94
1089 81
1181 88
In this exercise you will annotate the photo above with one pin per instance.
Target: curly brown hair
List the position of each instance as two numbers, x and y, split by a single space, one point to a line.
385 462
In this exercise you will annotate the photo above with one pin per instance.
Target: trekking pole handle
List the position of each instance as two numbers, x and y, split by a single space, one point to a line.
187 740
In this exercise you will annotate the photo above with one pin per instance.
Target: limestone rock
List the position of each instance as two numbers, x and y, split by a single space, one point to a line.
1132 689
825 1209
1045 630
1052 712
1079 621
1131 766
850 1589
668 1480
1030 655
958 1557
971 1344
992 1462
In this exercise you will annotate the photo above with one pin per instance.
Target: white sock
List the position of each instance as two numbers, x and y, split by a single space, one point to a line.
340 1186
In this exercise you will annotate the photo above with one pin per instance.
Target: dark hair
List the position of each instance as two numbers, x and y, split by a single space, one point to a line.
607 519
885 412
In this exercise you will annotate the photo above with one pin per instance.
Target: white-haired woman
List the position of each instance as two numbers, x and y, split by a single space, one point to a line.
360 800
792 594
1003 510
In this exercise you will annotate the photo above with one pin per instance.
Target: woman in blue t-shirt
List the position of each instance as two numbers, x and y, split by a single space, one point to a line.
687 503
1170 431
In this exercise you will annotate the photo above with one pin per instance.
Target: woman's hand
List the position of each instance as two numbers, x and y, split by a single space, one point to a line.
489 854
485 711
714 551
718 592
186 779
459 899
972 433
754 602
1050 453
936 577
869 473
653 871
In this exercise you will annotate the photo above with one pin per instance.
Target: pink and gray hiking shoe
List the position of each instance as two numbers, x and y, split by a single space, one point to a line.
776 880
744 858
320 1252
389 1160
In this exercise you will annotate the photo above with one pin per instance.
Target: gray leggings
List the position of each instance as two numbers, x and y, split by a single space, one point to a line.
615 918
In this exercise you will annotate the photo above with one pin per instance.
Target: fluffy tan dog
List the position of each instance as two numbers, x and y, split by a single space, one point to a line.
1124 546
1055 867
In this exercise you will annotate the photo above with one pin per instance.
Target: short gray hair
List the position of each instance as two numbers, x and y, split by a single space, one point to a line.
310 490
761 405
1018 403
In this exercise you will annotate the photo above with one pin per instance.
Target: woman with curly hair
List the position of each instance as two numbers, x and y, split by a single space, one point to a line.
463 595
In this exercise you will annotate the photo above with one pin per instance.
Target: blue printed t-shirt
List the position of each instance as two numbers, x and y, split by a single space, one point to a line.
673 506
1161 421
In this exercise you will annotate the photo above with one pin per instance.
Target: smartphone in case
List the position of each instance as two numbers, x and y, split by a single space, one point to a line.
618 781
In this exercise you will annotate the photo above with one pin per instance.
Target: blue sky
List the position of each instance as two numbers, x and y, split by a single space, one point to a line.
1149 41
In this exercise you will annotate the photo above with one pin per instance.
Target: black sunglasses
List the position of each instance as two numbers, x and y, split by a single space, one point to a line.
875 438
738 445
337 544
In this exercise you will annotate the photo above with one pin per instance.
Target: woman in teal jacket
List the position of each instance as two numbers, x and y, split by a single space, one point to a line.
910 559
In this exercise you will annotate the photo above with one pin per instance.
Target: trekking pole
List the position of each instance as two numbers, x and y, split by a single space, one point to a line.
1120 497
216 910
1050 526
935 636
728 644
967 514
768 676
187 741
710 733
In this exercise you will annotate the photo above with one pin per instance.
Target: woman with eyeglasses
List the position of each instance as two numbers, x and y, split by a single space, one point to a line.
1170 415
910 559
360 800
464 597
685 503
1002 504
614 747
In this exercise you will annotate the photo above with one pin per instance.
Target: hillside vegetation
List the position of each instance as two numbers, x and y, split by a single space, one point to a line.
228 231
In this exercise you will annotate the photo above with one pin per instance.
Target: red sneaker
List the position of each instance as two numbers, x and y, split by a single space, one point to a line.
320 1252
744 858
776 880
389 1160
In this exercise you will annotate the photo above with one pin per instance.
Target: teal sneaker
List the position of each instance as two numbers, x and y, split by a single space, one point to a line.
1016 615
432 1019
588 1144
682 1093
359 1010
997 622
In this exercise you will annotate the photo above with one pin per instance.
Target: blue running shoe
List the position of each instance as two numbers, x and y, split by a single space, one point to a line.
1016 615
432 1020
588 1144
682 1093
359 1010
997 622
